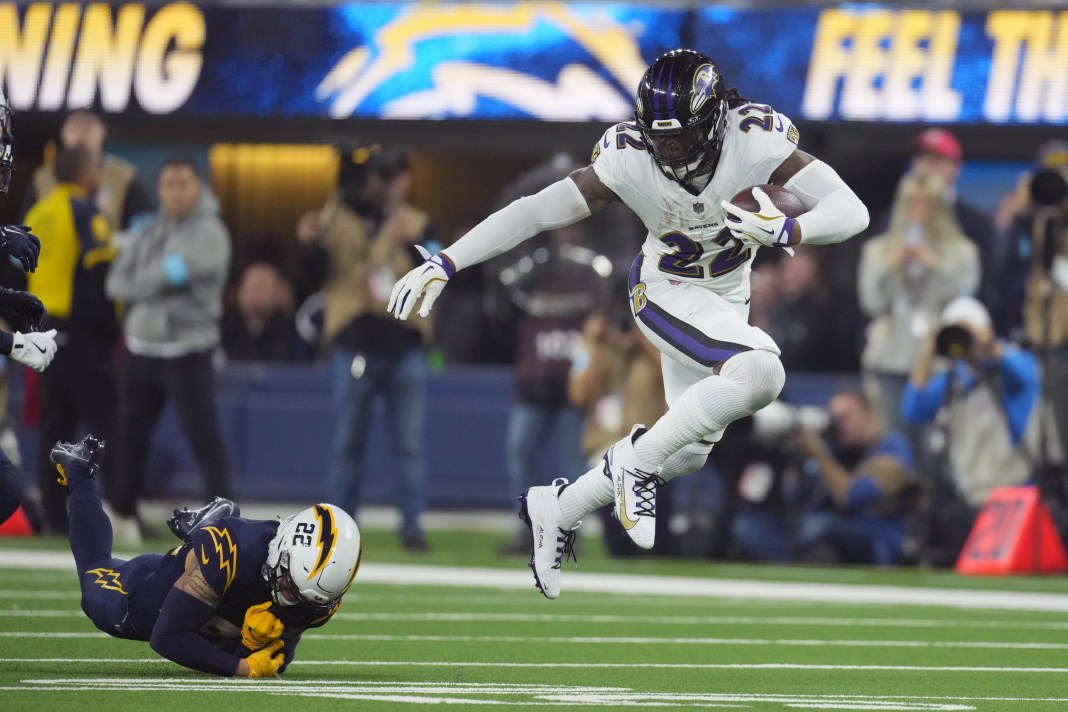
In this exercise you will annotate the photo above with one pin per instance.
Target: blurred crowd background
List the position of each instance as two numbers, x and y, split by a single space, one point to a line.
222 313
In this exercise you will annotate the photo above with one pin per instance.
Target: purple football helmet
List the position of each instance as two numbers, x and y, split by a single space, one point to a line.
681 112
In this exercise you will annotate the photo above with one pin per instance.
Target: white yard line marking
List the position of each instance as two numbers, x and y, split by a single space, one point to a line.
370 637
40 595
61 634
660 620
580 640
664 586
702 620
665 666
439 686
506 694
583 640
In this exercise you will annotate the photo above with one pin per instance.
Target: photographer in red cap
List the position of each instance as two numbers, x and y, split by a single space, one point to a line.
937 151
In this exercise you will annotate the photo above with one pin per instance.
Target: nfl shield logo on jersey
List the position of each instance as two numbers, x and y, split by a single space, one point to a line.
698 208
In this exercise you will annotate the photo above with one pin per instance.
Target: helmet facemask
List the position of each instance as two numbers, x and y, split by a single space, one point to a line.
684 154
280 583
313 557
681 109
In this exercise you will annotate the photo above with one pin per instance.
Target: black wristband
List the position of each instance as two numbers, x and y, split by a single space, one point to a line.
7 342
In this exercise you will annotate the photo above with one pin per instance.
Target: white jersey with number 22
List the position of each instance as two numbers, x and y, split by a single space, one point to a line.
687 237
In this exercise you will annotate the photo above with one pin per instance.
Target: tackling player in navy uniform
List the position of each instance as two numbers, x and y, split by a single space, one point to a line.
21 310
232 600
693 144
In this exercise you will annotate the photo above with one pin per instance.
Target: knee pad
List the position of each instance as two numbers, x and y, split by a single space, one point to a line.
760 373
689 459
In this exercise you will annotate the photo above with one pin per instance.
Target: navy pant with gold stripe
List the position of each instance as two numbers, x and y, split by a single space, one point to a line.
106 582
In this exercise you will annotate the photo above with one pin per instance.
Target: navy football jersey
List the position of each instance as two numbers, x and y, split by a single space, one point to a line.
231 554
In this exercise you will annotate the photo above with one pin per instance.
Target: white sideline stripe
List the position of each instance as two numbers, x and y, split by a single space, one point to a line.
581 640
665 666
773 621
702 620
656 585
588 640
493 687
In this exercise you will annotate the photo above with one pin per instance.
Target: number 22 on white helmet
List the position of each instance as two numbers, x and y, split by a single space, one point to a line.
313 557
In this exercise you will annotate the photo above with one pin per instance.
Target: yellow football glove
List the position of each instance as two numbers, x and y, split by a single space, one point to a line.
262 664
260 627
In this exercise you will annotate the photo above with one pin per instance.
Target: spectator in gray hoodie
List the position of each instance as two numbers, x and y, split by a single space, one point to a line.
170 273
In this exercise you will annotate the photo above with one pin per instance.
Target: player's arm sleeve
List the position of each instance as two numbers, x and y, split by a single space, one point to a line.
289 651
835 213
176 635
556 206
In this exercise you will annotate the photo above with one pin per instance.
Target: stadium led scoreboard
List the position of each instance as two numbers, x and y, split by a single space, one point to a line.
544 61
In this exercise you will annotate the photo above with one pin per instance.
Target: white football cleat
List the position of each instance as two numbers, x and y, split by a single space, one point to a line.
635 490
539 507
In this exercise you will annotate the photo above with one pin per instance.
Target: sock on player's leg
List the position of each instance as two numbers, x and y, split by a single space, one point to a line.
747 382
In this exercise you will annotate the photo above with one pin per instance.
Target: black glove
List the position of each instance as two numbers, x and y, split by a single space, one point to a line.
20 243
23 311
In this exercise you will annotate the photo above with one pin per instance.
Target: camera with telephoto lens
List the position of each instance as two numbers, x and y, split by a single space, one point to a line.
1048 188
953 341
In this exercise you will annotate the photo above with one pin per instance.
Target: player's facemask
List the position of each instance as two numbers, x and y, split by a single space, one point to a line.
680 109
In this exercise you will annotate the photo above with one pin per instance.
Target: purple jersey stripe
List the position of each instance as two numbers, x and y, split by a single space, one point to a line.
690 341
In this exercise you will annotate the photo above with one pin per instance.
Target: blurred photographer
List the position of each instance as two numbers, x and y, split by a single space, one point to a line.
354 248
860 489
1033 220
983 392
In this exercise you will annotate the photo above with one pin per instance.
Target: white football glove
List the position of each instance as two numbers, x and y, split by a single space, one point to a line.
769 227
36 349
426 281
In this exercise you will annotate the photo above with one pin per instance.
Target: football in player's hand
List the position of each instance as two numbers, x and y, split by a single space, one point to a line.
790 205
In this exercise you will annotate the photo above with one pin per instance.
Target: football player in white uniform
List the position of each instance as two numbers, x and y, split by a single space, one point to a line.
692 146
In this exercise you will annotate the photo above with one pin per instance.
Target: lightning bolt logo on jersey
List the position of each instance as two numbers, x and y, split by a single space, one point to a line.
108 579
222 553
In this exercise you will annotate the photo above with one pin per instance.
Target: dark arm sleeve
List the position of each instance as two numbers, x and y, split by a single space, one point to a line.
176 636
290 649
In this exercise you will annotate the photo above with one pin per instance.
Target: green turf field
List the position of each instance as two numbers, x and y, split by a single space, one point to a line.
401 646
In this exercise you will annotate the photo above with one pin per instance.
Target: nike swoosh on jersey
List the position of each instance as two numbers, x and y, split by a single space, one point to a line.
203 557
